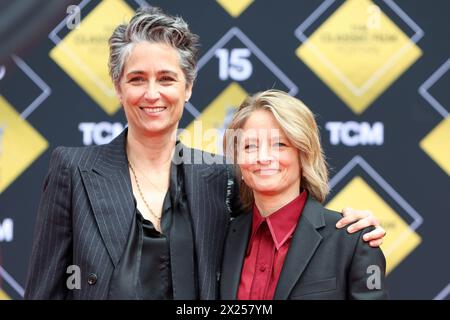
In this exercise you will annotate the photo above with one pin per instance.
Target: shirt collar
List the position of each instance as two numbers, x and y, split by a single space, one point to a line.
282 222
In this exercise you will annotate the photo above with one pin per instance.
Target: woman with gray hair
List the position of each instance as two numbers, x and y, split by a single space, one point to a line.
123 221
286 245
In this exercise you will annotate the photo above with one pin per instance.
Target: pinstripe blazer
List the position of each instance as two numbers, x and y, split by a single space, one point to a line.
86 211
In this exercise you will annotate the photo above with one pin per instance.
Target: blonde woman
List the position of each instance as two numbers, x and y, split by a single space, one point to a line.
285 244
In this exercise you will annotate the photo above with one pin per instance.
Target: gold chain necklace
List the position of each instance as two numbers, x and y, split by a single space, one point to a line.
158 219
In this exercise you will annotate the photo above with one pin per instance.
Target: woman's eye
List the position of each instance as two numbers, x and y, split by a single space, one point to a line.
137 80
279 144
167 79
250 146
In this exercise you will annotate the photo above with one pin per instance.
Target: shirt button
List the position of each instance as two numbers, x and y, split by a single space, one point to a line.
92 279
262 268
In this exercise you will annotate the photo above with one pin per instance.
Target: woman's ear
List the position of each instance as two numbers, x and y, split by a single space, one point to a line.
118 92
188 92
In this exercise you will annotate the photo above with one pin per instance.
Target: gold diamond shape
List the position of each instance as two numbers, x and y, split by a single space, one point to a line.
83 53
206 132
400 240
20 144
3 295
235 7
437 144
356 59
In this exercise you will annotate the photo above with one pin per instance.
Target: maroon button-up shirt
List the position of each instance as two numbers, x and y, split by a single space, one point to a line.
267 250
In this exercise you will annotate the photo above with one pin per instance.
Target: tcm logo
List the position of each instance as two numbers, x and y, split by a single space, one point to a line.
6 230
352 133
99 133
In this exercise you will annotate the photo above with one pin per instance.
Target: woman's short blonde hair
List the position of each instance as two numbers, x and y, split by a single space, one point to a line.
299 125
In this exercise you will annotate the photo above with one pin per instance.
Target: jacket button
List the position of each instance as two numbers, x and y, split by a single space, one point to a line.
92 279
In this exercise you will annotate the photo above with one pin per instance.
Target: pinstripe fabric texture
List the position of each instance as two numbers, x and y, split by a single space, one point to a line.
85 216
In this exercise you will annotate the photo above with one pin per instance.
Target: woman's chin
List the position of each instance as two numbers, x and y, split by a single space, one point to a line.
156 128
268 189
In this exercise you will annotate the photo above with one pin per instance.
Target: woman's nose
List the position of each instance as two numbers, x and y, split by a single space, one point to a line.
151 92
264 155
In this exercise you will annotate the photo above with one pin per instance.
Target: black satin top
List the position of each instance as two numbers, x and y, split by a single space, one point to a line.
157 265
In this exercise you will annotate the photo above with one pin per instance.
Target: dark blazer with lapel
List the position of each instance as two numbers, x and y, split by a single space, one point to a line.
86 211
323 262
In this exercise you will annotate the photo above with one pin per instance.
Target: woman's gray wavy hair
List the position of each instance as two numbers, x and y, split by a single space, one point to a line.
153 25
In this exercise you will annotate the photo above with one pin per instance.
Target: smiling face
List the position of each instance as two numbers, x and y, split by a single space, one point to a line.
269 163
153 89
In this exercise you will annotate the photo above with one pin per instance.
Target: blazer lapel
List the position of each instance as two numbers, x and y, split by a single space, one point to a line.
109 190
235 249
305 242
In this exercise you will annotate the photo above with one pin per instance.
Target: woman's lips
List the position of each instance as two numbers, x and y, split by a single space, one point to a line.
267 172
153 110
